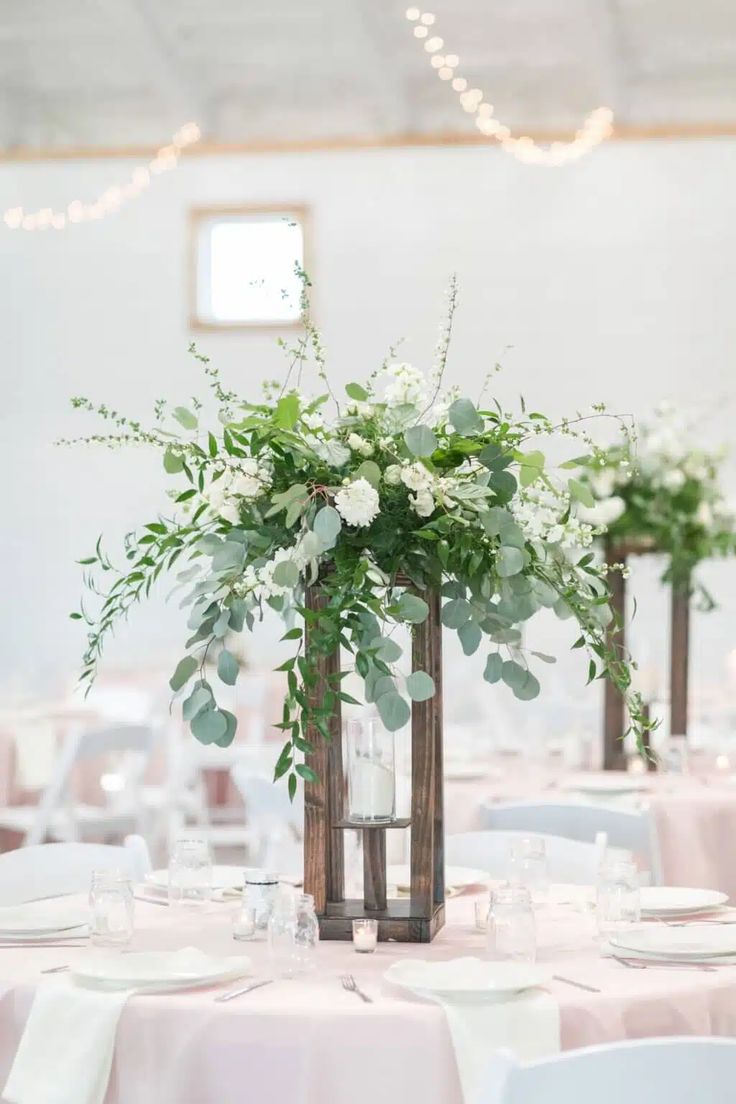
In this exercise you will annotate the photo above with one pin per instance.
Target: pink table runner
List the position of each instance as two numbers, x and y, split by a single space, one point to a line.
310 1042
695 817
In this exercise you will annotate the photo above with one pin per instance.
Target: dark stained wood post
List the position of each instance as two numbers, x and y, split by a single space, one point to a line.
679 648
614 722
420 917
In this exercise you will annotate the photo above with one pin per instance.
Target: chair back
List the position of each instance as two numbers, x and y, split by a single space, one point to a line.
54 869
567 860
642 1071
630 830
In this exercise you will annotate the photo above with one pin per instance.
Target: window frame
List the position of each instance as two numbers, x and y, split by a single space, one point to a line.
200 215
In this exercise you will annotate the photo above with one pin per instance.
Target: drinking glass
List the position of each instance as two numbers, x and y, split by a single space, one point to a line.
511 932
371 772
260 890
293 934
190 871
112 908
618 898
306 933
528 865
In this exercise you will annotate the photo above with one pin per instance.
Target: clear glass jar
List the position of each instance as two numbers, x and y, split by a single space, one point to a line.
371 772
260 890
511 932
618 897
528 865
190 871
112 908
293 934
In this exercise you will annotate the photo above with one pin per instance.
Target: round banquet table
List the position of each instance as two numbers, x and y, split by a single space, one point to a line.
307 1041
695 815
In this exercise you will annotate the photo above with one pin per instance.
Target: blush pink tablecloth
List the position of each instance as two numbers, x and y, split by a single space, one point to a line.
695 817
310 1042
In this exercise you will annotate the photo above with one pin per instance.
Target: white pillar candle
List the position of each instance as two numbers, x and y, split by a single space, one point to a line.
371 790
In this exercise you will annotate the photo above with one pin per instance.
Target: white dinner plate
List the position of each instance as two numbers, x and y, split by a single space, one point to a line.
184 969
466 977
38 917
57 935
456 877
223 878
602 785
693 941
677 900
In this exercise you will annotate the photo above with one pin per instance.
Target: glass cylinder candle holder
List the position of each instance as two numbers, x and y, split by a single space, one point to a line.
371 772
365 935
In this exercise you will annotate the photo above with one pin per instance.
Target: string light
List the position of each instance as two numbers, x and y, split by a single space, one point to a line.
165 159
595 129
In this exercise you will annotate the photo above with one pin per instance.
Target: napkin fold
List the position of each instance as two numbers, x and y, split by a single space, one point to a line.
65 1053
527 1024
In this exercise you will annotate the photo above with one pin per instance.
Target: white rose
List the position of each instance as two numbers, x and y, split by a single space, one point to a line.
392 475
416 477
673 479
603 482
423 503
604 512
358 503
359 444
230 512
312 421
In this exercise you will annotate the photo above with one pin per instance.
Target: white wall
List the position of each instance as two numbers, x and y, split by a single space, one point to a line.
612 279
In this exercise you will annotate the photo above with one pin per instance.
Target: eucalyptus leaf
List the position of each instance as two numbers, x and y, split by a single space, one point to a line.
510 561
495 519
185 668
464 418
528 688
393 710
370 471
470 635
327 524
209 726
173 463
512 673
237 614
581 493
504 484
222 624
513 535
227 667
387 649
185 417
200 697
420 686
455 613
286 574
228 736
356 392
420 440
544 657
493 668
229 556
412 608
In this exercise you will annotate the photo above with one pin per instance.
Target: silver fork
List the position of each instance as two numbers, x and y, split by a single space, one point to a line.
349 983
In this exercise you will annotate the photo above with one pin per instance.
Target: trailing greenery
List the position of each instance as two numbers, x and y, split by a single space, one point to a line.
399 479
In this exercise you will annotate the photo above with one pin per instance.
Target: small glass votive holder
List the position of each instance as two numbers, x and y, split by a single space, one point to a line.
111 908
365 935
481 909
245 923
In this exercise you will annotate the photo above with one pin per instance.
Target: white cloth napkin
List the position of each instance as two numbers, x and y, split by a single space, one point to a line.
481 1021
65 1054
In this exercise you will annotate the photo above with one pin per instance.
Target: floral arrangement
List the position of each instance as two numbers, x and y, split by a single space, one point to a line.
658 489
400 479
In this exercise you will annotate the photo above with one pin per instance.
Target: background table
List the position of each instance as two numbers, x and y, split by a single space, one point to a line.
309 1042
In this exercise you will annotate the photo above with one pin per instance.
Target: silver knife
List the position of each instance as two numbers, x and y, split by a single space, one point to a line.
233 993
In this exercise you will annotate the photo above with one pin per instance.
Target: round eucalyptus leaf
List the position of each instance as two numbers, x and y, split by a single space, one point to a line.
494 664
494 520
456 612
232 726
513 674
327 525
370 471
470 637
510 561
420 686
200 697
185 668
209 726
227 667
420 440
528 688
504 484
393 710
384 684
286 574
464 418
511 534
562 610
413 609
388 650
173 463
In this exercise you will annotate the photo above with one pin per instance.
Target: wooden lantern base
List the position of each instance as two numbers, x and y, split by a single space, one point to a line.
417 918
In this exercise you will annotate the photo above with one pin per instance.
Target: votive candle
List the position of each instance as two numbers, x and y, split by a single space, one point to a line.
365 935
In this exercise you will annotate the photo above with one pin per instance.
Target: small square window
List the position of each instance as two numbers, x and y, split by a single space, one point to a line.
245 265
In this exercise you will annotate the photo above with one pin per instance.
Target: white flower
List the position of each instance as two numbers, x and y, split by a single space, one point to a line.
416 477
259 583
409 385
602 483
386 443
604 512
230 512
360 445
250 481
423 503
357 503
673 479
704 515
392 475
313 421
332 452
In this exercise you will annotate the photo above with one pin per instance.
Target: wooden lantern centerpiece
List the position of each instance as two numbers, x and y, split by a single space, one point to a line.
614 724
418 918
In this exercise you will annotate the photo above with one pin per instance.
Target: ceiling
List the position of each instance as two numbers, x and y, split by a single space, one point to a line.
118 73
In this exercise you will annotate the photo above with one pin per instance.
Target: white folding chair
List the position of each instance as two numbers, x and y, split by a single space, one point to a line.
642 1071
58 816
54 869
630 830
273 822
567 860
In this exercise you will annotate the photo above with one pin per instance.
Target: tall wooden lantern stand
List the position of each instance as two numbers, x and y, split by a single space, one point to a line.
614 724
418 918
